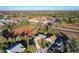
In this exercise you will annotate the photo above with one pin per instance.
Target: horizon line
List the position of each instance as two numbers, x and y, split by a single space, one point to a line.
39 8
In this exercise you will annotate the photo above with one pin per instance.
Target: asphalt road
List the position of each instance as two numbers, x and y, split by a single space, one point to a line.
65 29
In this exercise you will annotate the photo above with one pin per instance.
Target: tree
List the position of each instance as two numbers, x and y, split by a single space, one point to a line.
73 45
43 43
24 23
30 49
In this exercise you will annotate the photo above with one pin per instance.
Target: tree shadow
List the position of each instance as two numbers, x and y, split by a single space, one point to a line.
23 34
8 34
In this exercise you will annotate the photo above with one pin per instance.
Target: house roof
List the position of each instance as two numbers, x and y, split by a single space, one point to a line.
39 36
51 39
16 48
33 20
42 36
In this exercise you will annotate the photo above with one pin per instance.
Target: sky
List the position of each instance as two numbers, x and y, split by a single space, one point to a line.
37 8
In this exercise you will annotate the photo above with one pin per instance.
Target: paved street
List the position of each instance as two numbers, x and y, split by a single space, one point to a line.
65 29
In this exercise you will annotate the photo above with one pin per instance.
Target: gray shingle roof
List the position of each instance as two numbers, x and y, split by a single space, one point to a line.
18 48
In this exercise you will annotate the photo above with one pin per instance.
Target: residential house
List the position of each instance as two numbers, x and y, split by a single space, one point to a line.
1 25
51 39
57 47
38 37
15 48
